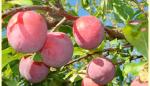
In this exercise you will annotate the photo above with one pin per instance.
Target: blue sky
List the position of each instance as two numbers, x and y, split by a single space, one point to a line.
81 11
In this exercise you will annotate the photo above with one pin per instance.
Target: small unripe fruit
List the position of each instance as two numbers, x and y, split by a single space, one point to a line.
88 32
57 50
33 71
101 70
137 82
26 31
89 82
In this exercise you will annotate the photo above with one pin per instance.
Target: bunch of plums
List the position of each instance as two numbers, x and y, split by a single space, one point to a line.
27 32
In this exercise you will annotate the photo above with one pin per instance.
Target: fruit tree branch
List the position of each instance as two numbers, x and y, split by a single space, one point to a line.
58 24
25 8
36 7
98 52
141 8
80 58
88 55
112 33
131 58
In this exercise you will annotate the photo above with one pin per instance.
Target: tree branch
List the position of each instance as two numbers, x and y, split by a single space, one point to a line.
141 8
80 58
36 7
88 55
25 8
131 58
58 24
112 33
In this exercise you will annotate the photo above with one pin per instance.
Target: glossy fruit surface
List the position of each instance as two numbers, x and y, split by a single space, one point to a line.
26 31
57 50
89 82
32 71
88 32
101 70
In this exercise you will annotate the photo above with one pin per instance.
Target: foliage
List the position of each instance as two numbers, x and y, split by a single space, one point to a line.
114 13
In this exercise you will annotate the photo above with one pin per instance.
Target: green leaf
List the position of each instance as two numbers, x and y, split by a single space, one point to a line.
101 46
122 11
76 8
7 50
133 68
85 3
137 38
141 17
38 2
66 29
79 51
37 57
129 11
21 2
53 83
9 55
5 43
69 74
10 82
114 42
6 5
75 78
8 72
117 18
119 73
72 12
7 59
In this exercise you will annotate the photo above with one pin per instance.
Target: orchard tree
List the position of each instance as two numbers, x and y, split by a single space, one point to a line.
74 43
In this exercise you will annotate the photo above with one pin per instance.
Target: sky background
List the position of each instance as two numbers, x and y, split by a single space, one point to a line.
81 11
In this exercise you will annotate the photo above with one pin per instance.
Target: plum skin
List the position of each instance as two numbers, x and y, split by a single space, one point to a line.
137 82
101 70
58 49
26 31
88 32
89 82
32 71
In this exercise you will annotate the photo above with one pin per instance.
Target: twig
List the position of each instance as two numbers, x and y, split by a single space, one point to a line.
88 55
58 4
58 24
114 49
141 9
61 11
28 8
78 59
114 33
68 16
36 7
131 58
